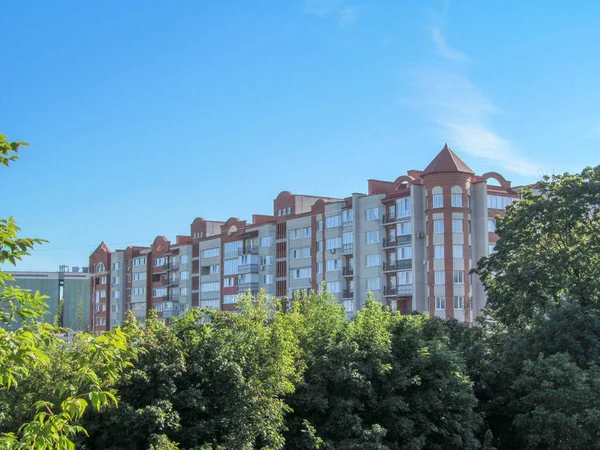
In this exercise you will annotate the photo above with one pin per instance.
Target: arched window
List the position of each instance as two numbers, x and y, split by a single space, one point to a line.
100 268
457 197
438 197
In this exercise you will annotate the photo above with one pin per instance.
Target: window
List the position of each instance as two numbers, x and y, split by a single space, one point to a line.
279 212
404 253
115 280
439 276
299 274
160 292
116 266
116 294
333 221
102 320
230 266
403 206
212 270
211 304
458 251
115 323
103 280
128 277
100 268
498 202
319 267
139 276
392 211
403 228
266 260
114 308
438 251
307 232
457 200
491 226
139 291
183 259
372 237
333 287
373 260
295 234
319 246
438 226
266 241
404 278
209 287
371 214
440 303
319 225
491 248
183 291
348 305
267 278
210 253
306 252
373 284
102 294
229 299
459 277
333 264
185 275
228 282
139 261
347 215
289 210
457 225
159 262
438 200
333 243
459 303
296 253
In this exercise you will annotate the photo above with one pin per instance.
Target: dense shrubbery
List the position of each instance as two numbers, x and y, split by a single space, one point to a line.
527 376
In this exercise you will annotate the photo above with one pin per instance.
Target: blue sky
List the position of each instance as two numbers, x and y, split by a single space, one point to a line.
144 115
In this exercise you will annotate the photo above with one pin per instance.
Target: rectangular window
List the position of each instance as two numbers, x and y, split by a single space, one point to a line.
459 303
185 275
319 225
403 228
139 276
392 212
333 221
439 276
161 292
228 282
438 200
491 226
373 284
139 261
404 278
266 260
266 241
183 259
373 260
457 200
348 305
404 253
438 251
333 287
459 277
210 252
209 287
457 251
371 214
296 253
114 308
267 278
103 280
295 234
319 246
102 294
333 243
307 232
333 264
457 225
347 215
183 291
116 294
306 252
230 299
440 303
498 202
491 248
230 266
438 226
299 274
403 207
212 270
320 267
116 280
372 237
116 266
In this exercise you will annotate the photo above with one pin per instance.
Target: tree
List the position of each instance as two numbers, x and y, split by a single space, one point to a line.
95 361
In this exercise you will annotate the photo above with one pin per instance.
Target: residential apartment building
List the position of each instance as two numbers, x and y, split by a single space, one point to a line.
411 242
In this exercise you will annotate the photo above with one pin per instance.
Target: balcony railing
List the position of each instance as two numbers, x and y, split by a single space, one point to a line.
172 282
403 239
348 271
399 290
388 243
389 267
248 251
248 268
346 226
402 264
243 287
389 291
173 297
389 219
347 294
347 248
171 266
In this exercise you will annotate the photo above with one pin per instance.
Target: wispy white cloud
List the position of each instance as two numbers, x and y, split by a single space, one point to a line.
345 14
462 112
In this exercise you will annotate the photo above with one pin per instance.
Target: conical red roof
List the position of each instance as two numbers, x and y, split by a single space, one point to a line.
446 161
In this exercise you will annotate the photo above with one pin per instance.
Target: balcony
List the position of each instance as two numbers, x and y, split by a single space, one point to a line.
404 239
404 289
388 243
389 219
173 297
389 291
346 226
252 285
347 248
171 266
348 271
389 267
347 294
248 251
248 268
403 264
171 282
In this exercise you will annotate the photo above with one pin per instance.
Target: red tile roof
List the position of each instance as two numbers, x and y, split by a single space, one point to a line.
446 161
